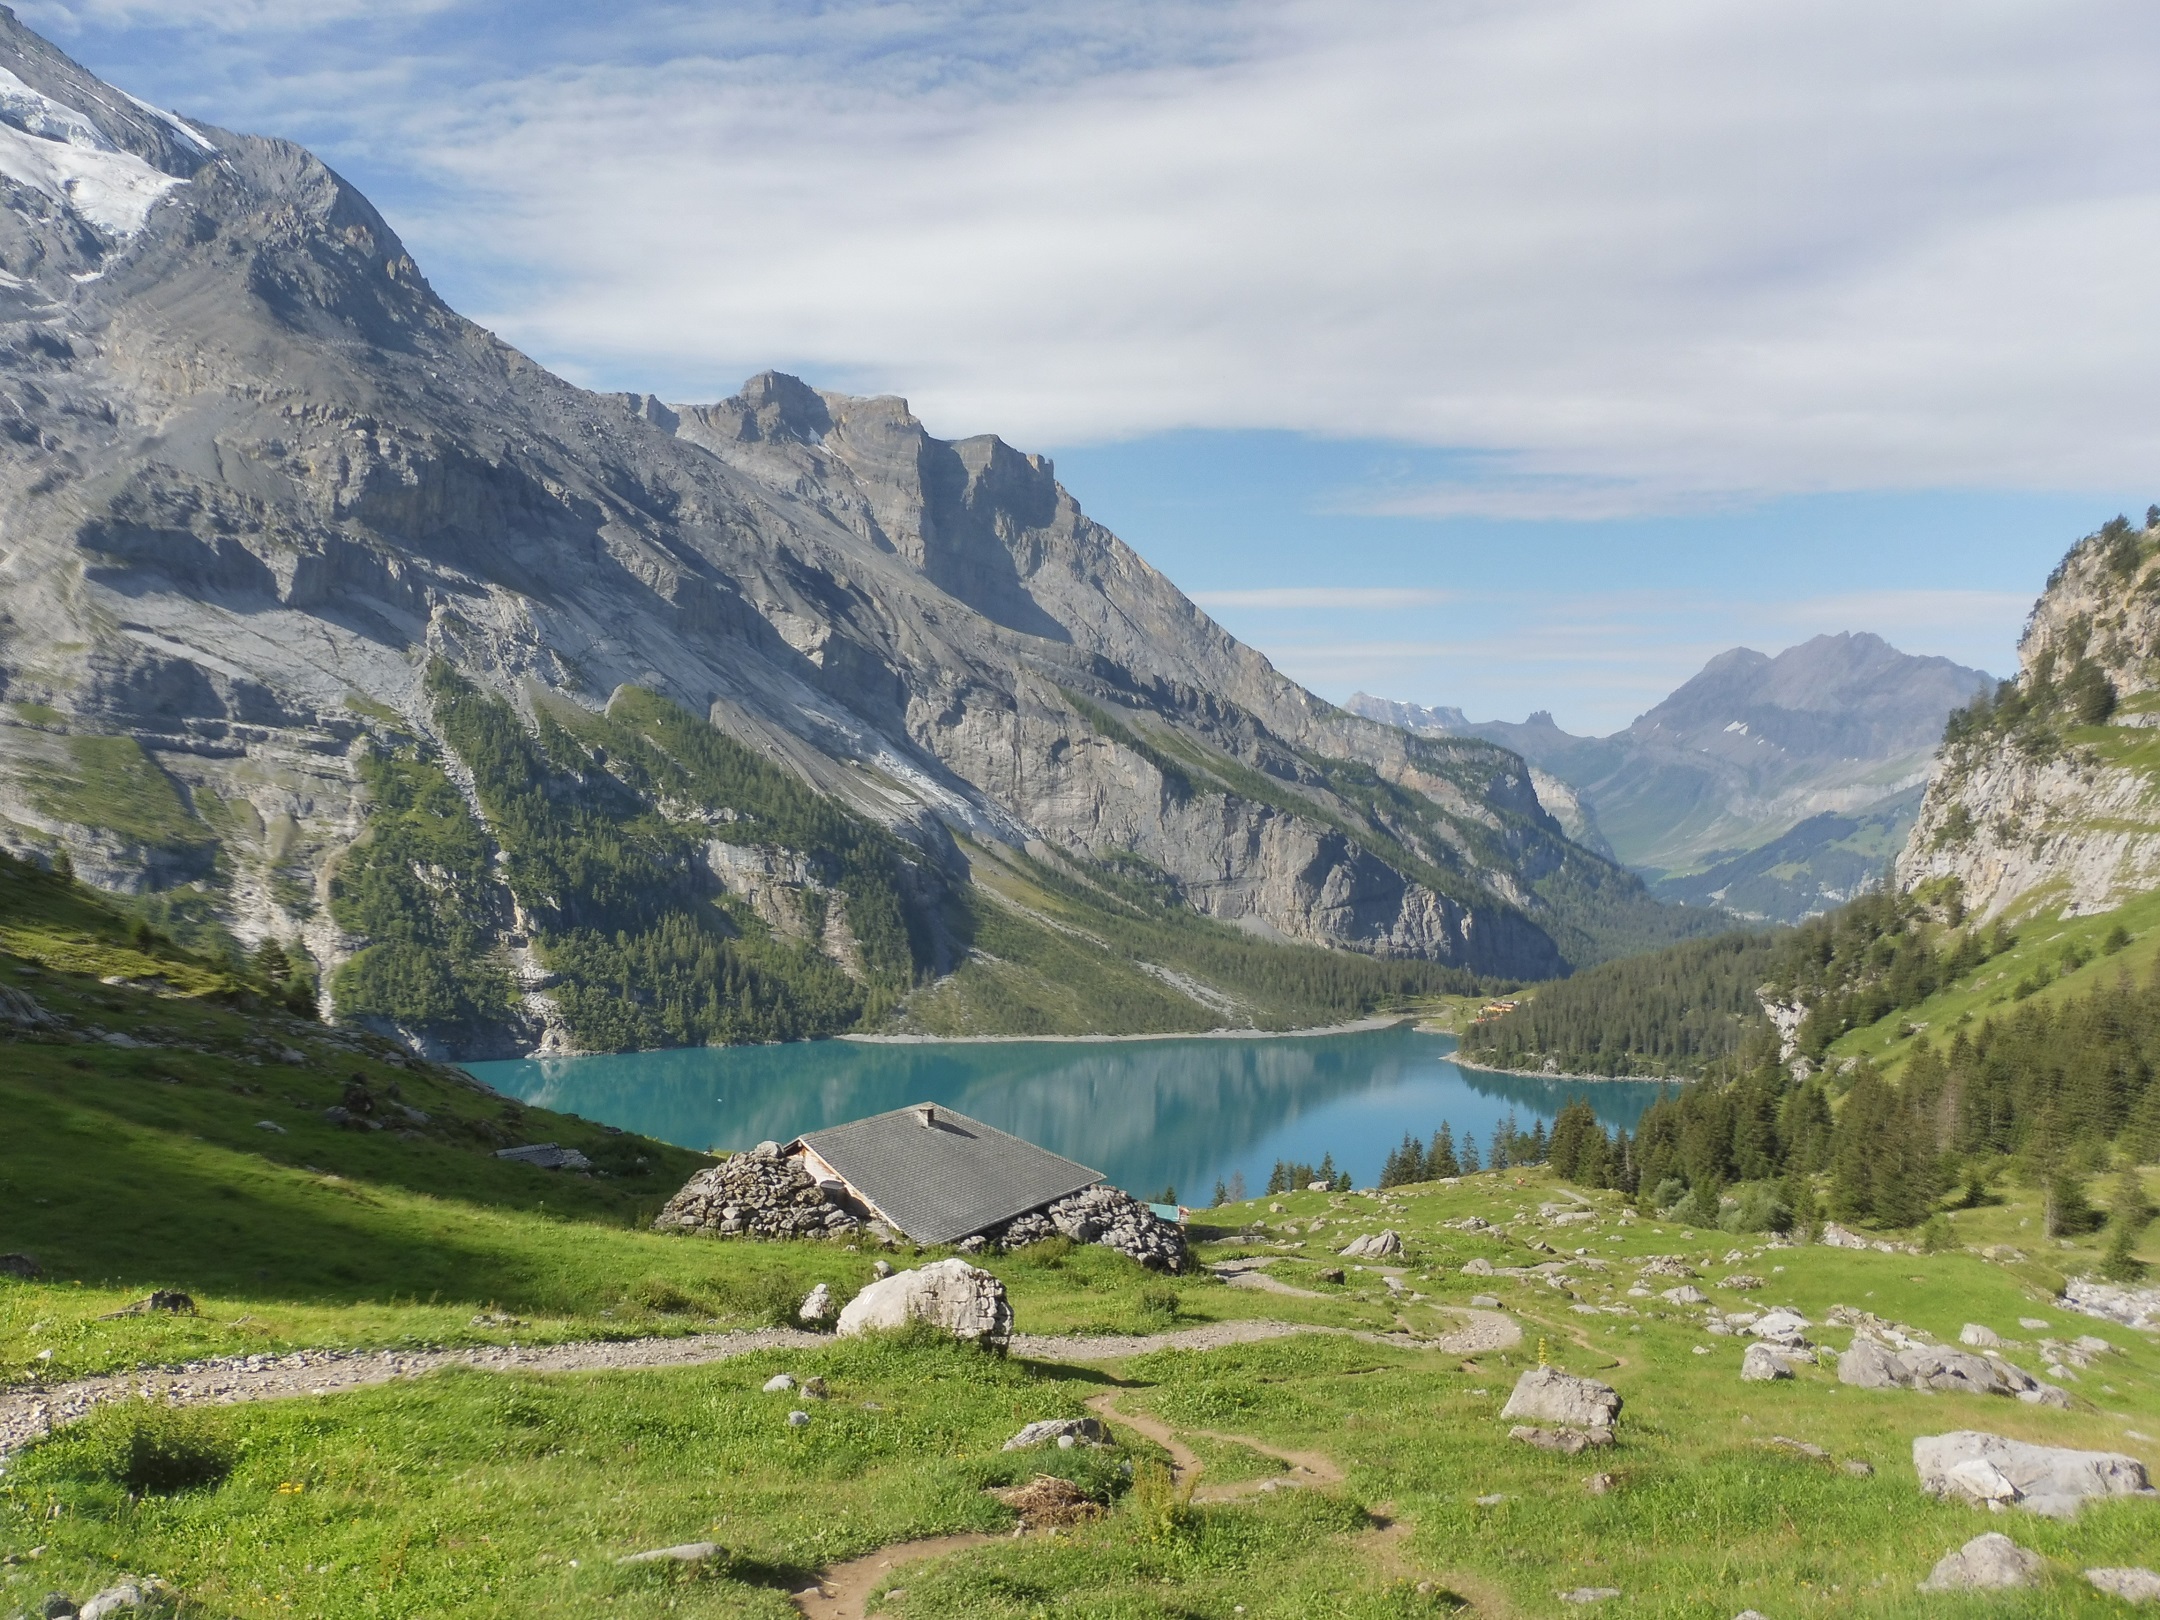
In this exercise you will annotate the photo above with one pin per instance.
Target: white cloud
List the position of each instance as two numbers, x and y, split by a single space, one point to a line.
64 17
1649 254
1666 244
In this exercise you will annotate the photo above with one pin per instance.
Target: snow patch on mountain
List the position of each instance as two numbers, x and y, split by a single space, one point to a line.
60 152
187 132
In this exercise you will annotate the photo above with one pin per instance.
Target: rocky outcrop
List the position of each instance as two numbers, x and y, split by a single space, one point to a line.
949 1295
2132 1307
2051 1480
2029 801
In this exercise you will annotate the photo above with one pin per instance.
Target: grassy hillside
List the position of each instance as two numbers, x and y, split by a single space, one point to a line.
475 1494
2048 961
128 1167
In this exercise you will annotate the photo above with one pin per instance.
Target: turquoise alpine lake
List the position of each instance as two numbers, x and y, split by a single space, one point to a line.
1149 1114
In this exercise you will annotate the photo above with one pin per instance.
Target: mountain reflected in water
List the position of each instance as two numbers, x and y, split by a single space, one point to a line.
1148 1114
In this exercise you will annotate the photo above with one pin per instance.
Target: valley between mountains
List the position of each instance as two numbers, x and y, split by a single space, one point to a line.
373 701
333 620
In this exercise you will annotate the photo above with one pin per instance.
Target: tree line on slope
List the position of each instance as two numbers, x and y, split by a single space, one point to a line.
2053 1093
1686 1011
646 948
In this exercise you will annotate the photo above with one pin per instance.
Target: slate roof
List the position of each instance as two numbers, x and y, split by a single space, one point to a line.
948 1179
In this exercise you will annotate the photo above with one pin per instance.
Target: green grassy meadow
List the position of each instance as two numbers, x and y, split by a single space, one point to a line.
128 1168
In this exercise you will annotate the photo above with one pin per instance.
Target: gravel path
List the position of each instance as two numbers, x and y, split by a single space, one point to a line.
30 1412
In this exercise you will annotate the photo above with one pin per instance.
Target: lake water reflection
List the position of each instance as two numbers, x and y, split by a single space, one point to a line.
1148 1114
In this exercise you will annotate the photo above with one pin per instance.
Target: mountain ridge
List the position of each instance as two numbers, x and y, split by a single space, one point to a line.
1829 739
262 487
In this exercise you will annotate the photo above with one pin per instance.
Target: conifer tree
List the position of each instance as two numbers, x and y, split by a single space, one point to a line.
1327 1170
1469 1157
2130 1212
1440 1160
1222 1195
1571 1134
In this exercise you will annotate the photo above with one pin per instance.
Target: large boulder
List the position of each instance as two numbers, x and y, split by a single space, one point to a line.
949 1295
1972 1466
1781 1326
1374 1246
1762 1365
1868 1365
1548 1395
1952 1372
1989 1563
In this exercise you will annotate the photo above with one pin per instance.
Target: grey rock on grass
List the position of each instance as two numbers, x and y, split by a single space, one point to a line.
1374 1246
1763 1365
2056 1481
2134 1585
1085 1431
131 1596
690 1552
950 1295
1989 1563
1548 1395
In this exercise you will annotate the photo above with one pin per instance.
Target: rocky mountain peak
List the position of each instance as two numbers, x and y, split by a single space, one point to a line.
1844 696
278 521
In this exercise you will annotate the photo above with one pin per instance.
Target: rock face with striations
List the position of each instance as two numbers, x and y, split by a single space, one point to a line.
2028 799
261 485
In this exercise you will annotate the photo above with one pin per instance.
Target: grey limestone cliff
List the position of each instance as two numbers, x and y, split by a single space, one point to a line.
2047 801
257 480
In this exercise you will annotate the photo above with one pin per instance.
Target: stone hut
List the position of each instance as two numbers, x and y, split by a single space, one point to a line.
928 1174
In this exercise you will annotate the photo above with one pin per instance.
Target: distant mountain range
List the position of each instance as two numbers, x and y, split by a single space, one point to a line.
1774 787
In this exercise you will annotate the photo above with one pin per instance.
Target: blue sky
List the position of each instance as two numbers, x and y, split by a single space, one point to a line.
1505 356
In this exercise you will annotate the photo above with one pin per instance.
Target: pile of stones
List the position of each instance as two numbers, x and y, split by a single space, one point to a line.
1103 1215
762 1193
766 1194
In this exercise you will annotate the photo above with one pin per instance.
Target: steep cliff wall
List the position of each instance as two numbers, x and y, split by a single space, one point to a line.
260 488
2048 796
